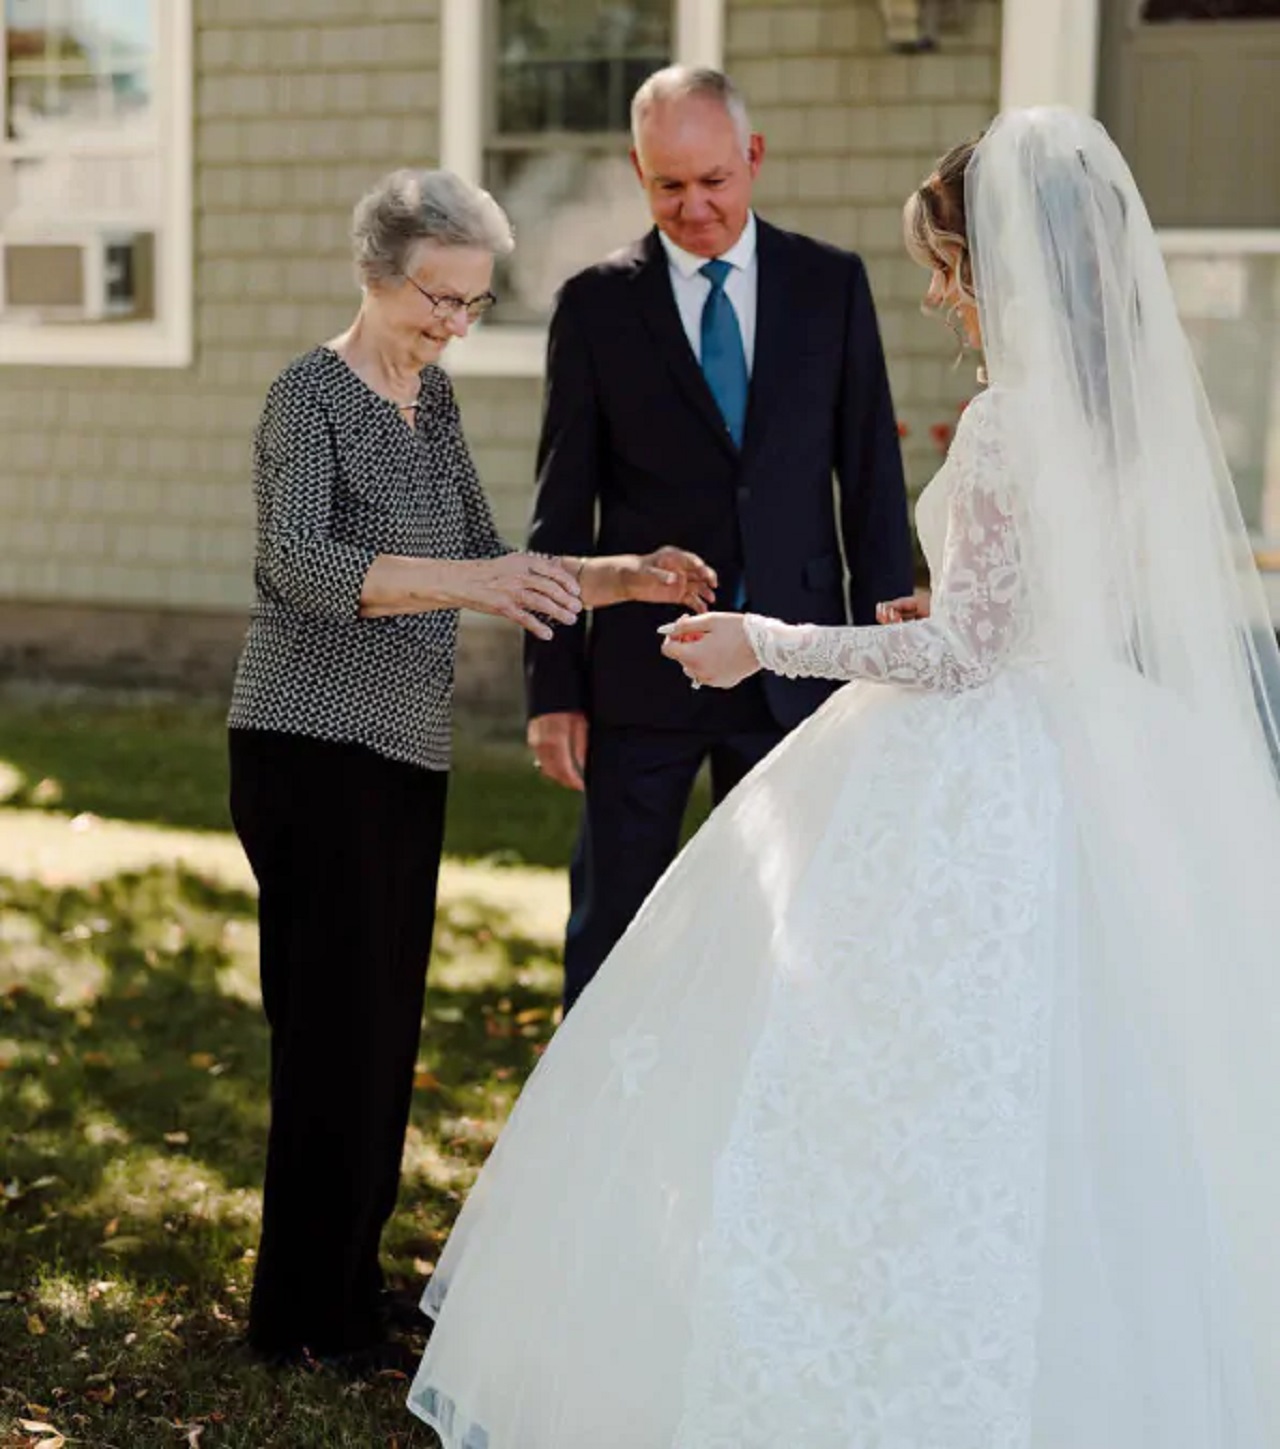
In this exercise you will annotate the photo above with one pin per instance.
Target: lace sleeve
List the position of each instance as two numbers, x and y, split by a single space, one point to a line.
977 610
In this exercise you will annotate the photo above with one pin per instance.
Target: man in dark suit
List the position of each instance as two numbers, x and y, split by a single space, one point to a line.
703 386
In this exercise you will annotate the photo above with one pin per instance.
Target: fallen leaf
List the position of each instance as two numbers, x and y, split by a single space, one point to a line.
426 1081
111 1229
202 1061
130 1243
35 1325
534 1013
37 1427
47 792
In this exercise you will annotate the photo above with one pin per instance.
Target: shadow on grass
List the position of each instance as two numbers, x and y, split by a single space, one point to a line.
133 1063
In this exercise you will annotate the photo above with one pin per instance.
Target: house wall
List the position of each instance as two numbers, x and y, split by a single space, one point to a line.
125 513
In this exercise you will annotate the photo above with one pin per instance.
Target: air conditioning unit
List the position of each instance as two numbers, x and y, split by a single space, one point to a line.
100 275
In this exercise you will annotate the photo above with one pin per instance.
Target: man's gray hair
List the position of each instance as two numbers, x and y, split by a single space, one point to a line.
685 82
409 207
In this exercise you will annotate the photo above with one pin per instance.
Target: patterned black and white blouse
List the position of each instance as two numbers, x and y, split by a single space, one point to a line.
340 479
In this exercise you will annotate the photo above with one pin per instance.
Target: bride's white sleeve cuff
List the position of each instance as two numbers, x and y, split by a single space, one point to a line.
767 638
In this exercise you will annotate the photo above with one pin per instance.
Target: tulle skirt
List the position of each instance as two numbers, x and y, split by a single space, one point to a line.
920 1108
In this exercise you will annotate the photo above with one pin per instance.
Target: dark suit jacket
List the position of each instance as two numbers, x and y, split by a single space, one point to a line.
634 454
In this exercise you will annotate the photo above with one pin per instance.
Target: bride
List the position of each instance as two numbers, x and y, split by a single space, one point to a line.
928 1103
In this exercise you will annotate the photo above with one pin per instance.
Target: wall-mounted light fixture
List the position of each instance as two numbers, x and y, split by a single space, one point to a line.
916 25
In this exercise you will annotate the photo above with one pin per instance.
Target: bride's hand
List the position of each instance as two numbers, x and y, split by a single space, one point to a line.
904 611
711 649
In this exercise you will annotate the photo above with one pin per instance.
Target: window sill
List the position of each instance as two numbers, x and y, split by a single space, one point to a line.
95 344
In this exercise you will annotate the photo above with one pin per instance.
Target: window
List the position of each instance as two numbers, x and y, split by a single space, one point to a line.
536 106
95 184
562 75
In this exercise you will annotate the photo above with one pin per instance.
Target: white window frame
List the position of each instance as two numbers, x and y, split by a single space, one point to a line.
521 351
165 340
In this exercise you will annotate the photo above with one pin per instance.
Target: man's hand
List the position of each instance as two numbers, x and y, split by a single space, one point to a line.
904 611
559 745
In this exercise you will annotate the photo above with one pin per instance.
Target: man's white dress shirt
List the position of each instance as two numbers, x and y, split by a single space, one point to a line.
691 288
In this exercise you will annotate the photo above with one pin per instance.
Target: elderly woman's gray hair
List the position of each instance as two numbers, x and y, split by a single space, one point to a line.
409 207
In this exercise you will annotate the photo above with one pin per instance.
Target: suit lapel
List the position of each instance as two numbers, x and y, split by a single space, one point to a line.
662 318
773 305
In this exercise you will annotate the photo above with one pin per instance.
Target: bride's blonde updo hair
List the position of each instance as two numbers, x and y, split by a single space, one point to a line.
934 223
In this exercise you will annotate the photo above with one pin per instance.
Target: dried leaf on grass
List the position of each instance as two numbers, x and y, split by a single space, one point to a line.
44 1435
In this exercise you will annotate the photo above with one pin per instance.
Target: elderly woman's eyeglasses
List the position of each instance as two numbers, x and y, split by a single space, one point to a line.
448 307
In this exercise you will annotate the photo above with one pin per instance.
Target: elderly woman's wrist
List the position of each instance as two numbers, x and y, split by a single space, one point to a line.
403 584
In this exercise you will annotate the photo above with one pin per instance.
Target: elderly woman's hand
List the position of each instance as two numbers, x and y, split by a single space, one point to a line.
520 587
713 649
516 586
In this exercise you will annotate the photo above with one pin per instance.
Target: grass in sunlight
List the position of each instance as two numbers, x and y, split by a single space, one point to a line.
164 762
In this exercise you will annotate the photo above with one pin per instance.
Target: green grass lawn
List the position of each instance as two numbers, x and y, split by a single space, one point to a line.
133 1089
165 763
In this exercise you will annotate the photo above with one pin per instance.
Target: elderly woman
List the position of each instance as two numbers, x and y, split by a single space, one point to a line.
373 532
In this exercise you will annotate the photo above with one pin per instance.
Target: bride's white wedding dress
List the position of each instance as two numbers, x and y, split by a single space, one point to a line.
816 1162
927 1103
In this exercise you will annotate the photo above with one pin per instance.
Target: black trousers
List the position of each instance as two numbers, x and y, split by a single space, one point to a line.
346 848
638 783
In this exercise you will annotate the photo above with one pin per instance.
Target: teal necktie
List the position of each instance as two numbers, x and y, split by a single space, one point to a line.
724 365
724 359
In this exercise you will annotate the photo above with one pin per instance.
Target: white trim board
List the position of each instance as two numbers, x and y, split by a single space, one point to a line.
1049 53
1210 241
497 351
